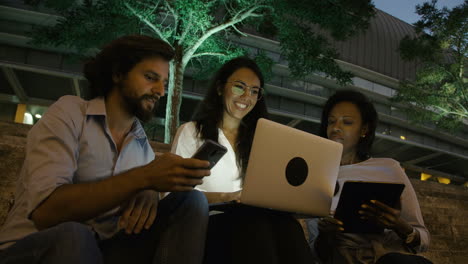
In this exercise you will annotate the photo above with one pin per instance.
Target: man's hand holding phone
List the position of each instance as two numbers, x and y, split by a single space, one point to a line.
210 151
172 173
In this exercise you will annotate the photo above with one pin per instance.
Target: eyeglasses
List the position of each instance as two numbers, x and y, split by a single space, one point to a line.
239 88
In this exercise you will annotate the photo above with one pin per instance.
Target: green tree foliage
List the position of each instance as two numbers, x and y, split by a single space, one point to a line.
440 92
201 32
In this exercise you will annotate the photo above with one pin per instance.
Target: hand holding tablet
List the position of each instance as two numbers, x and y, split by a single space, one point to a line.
368 207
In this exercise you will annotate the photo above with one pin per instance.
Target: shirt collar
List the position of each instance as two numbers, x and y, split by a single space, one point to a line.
139 132
97 107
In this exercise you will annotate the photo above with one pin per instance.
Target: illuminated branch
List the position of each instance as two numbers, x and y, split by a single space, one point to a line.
230 8
168 6
444 111
166 15
463 109
187 29
174 14
238 31
155 7
208 54
234 20
148 23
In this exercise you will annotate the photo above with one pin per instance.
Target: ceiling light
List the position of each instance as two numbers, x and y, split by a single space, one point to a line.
425 176
28 119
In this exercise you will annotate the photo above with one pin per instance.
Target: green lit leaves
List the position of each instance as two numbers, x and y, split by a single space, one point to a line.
438 30
308 52
436 95
341 18
213 53
305 28
193 19
203 32
439 92
265 64
85 28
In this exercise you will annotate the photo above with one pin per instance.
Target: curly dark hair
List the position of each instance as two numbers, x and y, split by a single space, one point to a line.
119 57
368 115
210 111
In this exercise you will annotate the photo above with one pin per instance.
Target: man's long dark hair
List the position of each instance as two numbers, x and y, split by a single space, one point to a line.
119 57
209 114
368 115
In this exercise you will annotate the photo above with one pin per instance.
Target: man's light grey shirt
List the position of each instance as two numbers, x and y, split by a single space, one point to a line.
71 144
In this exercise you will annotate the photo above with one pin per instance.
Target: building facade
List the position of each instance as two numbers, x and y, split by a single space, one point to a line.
32 78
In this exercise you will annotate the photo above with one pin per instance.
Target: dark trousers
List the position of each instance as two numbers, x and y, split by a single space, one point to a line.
399 258
177 236
254 235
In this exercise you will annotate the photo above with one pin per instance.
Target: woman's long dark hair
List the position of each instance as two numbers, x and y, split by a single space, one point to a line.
209 114
368 115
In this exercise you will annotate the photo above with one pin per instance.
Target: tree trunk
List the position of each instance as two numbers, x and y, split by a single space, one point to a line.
174 99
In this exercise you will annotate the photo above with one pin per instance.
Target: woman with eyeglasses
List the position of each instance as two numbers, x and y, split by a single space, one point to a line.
228 115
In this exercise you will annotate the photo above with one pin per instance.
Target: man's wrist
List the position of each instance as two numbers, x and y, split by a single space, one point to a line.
139 178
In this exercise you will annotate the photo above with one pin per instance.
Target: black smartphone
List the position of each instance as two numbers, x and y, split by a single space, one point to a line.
210 151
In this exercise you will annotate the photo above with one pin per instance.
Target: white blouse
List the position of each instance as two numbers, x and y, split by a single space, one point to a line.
224 175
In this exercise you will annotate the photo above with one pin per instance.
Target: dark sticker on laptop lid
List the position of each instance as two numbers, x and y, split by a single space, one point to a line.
297 171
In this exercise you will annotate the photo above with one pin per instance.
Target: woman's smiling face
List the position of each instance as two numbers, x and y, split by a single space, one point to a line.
238 106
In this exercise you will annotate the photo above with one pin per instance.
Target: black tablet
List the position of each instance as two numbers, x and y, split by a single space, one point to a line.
356 193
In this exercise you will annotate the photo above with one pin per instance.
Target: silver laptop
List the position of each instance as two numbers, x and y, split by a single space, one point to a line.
291 170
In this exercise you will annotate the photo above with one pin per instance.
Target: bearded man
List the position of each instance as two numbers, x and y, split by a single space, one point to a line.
89 186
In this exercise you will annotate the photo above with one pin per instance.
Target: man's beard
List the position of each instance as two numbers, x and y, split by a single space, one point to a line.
135 107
